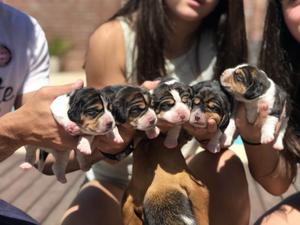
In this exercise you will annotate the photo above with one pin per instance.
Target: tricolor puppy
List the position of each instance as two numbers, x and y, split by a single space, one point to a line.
85 112
172 102
132 105
211 102
250 85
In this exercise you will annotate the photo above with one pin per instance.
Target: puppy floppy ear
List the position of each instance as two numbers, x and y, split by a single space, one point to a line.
75 111
119 111
254 91
75 104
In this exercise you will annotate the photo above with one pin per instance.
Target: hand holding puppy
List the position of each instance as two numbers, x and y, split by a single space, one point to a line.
41 128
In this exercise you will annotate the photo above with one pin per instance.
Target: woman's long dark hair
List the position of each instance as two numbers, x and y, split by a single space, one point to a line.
152 28
278 58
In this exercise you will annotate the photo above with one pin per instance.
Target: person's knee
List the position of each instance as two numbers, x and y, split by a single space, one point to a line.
224 169
231 179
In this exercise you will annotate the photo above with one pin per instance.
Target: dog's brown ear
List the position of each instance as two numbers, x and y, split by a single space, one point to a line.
120 111
74 113
75 105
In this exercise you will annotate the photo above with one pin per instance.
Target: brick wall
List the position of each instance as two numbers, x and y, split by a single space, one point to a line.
72 20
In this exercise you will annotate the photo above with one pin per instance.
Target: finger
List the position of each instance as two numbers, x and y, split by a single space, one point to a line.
263 113
67 88
150 84
211 126
240 115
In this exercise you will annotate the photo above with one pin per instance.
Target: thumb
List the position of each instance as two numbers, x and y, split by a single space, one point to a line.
263 113
240 114
66 88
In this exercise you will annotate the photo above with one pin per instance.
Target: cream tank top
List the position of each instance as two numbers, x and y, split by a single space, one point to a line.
183 68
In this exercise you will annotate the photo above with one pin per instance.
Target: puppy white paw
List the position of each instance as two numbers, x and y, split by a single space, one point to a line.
152 133
118 140
84 148
25 166
278 145
62 179
60 174
72 128
169 143
266 138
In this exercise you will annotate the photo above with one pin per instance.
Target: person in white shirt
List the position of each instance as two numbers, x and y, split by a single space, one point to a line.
24 58
24 69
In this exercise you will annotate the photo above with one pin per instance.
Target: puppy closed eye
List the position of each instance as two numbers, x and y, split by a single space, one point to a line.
214 108
166 105
135 111
185 98
93 112
196 101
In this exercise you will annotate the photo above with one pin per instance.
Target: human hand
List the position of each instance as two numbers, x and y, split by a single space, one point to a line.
104 144
248 131
203 135
36 123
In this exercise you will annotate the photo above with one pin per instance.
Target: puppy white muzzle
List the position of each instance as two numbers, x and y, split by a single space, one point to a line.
147 121
198 119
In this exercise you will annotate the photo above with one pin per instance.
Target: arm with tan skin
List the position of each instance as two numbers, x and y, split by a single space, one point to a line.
33 124
263 160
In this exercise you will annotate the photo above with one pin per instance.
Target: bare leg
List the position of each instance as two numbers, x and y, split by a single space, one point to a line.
285 213
224 175
97 203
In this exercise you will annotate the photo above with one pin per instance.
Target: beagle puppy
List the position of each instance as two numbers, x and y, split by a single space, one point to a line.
250 85
132 105
86 112
210 101
171 101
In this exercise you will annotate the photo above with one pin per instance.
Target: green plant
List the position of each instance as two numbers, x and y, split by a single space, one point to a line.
59 47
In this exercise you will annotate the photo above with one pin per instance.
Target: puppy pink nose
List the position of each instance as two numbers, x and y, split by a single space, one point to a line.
182 117
197 118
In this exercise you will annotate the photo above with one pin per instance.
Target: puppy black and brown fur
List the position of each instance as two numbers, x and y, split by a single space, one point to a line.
172 103
162 190
86 113
250 85
211 102
132 105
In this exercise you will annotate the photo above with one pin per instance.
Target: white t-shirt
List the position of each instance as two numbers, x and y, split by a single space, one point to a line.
22 38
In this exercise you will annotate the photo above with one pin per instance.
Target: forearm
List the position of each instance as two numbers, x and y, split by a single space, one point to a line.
9 138
268 168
